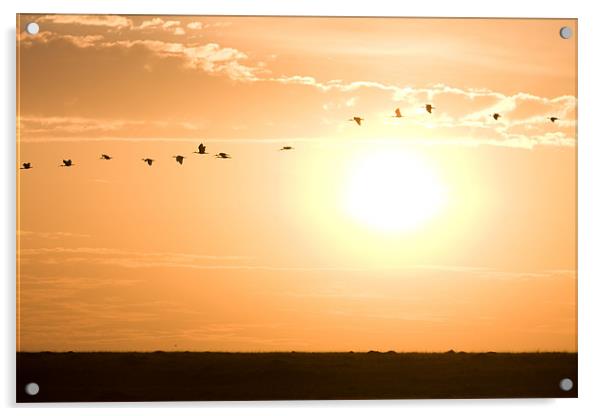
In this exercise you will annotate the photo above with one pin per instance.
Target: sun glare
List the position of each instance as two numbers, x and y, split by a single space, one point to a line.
393 191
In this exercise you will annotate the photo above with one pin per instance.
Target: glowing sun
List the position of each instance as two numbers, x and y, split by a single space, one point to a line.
393 191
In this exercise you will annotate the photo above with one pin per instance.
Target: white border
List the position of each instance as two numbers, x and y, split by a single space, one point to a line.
590 201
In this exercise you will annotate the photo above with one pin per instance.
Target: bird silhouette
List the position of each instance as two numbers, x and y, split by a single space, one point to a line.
222 155
179 159
105 157
26 165
67 163
202 149
429 108
495 116
358 120
148 161
552 119
287 148
397 113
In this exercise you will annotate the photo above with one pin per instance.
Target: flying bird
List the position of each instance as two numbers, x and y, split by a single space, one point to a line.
179 159
222 155
148 161
67 163
202 149
552 119
287 148
358 120
398 113
495 116
105 157
429 108
26 165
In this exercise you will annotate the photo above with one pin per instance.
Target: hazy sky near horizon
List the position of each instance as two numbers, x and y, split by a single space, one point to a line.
429 232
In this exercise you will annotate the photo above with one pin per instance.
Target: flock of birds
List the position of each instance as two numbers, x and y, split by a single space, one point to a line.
429 109
202 149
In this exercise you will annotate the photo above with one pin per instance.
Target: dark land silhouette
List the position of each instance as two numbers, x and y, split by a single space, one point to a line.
200 376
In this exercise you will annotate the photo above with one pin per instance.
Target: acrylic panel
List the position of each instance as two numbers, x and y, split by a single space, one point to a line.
295 208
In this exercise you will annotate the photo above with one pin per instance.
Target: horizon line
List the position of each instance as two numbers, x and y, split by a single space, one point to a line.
450 351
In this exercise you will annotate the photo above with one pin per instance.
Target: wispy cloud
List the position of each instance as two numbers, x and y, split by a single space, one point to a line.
560 106
54 235
112 21
171 26
97 126
129 259
195 25
125 257
211 58
134 259
340 104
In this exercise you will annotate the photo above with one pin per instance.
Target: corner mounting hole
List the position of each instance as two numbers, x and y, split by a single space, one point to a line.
32 28
566 384
32 389
566 32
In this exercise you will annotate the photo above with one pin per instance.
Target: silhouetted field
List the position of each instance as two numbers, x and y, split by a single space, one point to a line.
193 376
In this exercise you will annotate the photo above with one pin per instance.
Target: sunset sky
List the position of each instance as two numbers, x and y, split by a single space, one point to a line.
425 233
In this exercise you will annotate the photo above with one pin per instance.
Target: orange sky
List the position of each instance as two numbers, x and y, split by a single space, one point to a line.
277 250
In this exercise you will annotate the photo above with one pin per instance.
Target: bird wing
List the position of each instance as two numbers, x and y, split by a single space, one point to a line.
358 120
